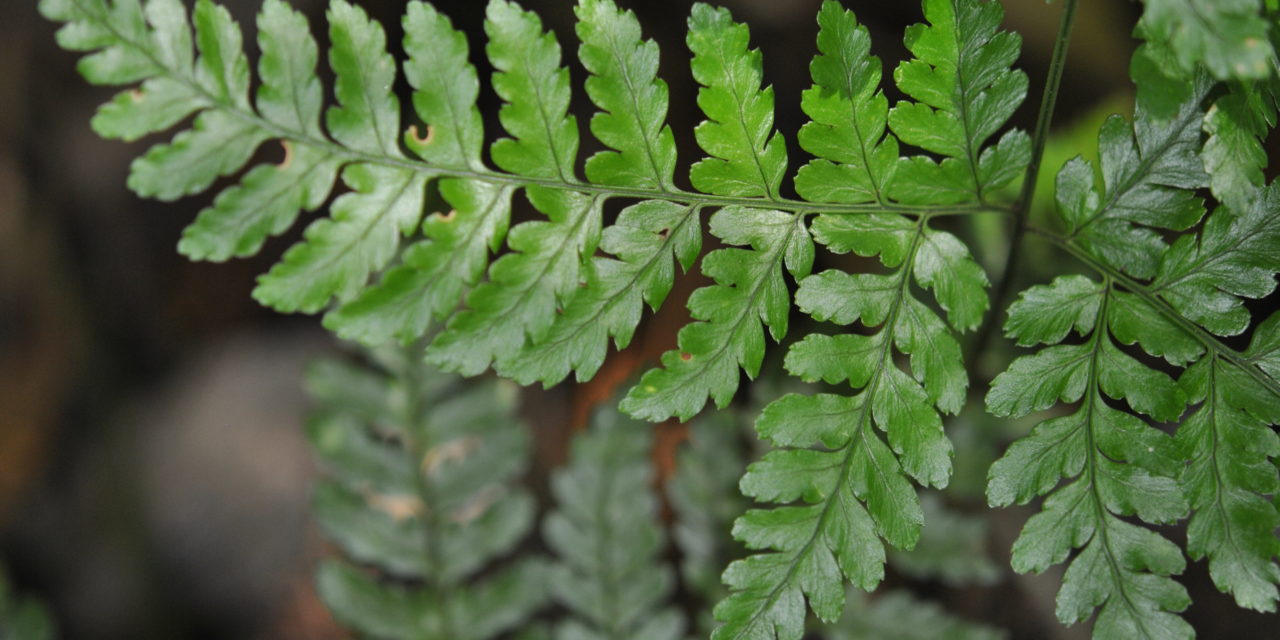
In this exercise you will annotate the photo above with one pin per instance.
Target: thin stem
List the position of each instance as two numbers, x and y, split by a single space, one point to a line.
1022 208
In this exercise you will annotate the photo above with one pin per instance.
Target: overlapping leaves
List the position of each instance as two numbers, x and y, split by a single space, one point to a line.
1168 300
854 490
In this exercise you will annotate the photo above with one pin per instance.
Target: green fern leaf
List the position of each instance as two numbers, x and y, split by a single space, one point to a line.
434 273
159 103
220 143
363 234
1149 170
1229 442
964 92
749 290
420 487
1237 124
1204 276
854 491
747 159
1119 466
269 197
1228 37
623 83
605 533
856 160
525 288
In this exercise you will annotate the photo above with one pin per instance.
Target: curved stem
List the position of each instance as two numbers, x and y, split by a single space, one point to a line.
1022 208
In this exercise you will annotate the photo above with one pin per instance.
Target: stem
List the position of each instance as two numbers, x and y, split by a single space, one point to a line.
1022 208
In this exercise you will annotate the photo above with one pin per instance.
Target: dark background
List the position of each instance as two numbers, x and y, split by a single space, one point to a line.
153 475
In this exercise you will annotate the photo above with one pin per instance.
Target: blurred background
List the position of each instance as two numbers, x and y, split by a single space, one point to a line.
153 472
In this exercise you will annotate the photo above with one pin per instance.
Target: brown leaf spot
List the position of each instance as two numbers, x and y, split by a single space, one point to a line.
288 156
422 140
399 507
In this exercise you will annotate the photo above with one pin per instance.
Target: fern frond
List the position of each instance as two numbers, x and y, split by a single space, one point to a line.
1119 466
435 272
964 92
420 489
1237 125
899 615
606 536
854 491
624 84
1149 170
1182 295
747 158
548 307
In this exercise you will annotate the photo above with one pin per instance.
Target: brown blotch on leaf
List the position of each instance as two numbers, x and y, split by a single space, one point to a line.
422 140
137 95
447 217
686 356
288 155
399 507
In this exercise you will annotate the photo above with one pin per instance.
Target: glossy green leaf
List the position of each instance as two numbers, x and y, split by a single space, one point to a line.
1115 465
963 92
747 157
1206 276
750 293
856 159
519 302
633 101
1149 171
1229 37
